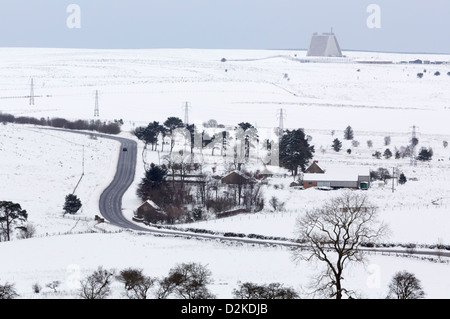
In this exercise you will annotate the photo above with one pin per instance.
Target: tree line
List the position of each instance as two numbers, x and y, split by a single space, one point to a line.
184 281
190 281
88 125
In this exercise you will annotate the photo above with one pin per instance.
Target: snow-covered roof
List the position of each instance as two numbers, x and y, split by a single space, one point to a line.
338 174
152 203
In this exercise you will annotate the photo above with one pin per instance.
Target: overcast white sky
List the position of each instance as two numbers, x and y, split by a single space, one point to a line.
406 25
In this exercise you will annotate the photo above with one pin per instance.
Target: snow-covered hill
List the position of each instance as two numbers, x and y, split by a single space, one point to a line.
38 168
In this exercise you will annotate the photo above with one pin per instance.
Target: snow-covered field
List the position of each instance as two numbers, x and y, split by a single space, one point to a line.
38 168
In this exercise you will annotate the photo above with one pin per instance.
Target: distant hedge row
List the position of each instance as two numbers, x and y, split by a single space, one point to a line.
87 125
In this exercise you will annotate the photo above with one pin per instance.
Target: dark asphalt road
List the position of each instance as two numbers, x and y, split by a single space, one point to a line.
110 203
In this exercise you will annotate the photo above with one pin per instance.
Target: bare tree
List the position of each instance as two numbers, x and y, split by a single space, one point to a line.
53 285
137 285
405 285
7 291
333 234
187 281
276 204
28 231
97 285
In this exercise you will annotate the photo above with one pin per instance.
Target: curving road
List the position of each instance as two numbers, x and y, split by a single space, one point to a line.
110 203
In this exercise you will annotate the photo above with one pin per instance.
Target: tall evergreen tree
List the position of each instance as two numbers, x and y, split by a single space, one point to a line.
337 145
148 135
72 204
152 182
11 214
295 151
171 124
348 133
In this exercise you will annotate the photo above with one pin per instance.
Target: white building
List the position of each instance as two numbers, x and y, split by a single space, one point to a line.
324 45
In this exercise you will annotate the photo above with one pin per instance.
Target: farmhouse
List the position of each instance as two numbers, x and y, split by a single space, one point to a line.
150 212
237 178
339 177
314 169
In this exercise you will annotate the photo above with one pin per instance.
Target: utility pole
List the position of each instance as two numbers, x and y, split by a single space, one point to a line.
96 110
32 92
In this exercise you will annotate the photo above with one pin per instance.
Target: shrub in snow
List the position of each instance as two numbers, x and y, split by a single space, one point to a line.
387 154
402 179
36 288
250 290
425 154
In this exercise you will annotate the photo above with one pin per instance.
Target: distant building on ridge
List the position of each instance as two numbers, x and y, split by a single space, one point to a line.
324 45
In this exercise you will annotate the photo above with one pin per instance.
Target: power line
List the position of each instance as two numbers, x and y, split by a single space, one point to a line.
96 110
281 117
186 108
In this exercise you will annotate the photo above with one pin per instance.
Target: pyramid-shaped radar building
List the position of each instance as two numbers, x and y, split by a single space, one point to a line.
325 45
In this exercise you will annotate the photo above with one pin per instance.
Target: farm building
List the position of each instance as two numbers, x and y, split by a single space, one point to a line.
355 178
324 45
149 212
237 178
314 168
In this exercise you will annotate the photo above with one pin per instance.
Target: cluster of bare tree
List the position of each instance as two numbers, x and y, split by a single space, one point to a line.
184 192
180 186
189 281
184 281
